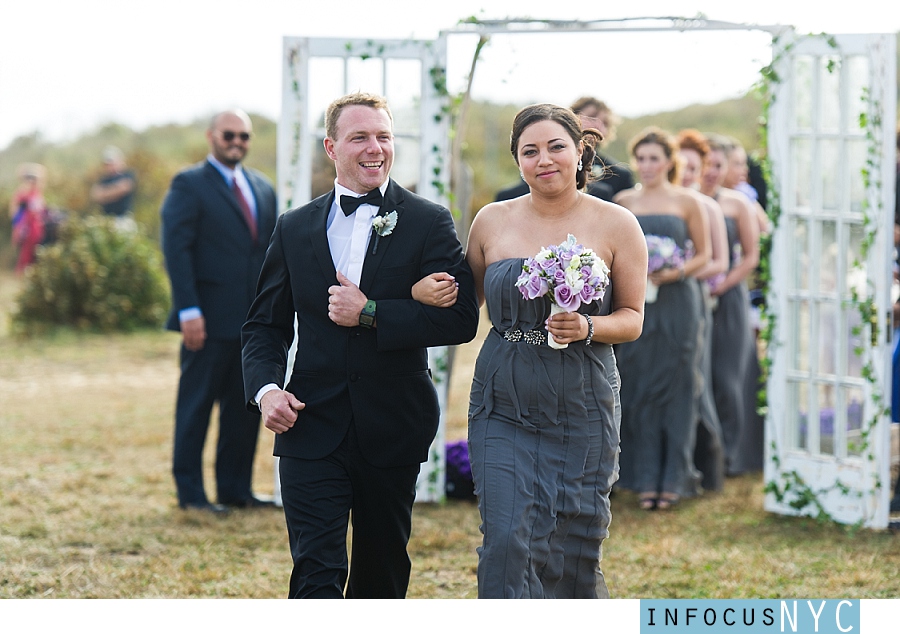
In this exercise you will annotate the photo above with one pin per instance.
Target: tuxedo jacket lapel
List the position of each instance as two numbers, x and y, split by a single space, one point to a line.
318 236
393 201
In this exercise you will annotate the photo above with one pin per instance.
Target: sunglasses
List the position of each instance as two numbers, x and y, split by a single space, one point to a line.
228 135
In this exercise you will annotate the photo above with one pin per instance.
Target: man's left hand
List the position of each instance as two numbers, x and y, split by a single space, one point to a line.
345 302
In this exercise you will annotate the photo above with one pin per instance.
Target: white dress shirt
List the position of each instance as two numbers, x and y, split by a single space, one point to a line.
348 236
348 239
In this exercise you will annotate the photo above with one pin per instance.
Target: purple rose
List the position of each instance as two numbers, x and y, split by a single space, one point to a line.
588 294
534 286
566 298
558 276
549 265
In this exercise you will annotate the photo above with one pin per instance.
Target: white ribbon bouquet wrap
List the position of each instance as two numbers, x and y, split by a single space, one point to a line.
568 273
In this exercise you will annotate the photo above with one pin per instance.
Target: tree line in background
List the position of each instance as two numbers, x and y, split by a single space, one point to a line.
158 152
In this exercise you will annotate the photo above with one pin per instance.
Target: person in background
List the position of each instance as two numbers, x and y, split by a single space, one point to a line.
753 433
736 178
217 219
660 370
709 451
733 343
114 191
28 213
595 114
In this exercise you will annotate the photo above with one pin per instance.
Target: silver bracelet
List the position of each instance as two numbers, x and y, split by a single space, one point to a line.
590 336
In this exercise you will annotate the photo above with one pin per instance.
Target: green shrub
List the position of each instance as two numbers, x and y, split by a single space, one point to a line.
95 277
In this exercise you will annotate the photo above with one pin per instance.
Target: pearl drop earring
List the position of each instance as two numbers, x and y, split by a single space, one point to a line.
580 166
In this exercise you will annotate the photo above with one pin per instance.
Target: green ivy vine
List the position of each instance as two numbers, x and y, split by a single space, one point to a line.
788 486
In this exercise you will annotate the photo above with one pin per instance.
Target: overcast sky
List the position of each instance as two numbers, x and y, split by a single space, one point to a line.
67 66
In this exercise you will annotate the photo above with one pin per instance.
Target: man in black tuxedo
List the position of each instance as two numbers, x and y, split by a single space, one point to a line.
217 219
359 411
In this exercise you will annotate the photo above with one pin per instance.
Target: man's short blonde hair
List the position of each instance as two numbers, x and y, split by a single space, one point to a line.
333 113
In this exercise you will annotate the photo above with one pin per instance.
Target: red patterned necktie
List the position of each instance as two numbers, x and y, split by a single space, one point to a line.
245 207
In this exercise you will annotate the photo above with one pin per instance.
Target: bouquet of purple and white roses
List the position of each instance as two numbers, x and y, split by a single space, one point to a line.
663 253
571 274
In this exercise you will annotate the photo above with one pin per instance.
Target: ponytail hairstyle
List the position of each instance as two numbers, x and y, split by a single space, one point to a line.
570 123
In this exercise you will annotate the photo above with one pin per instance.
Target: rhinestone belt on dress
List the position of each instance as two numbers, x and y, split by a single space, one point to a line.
534 337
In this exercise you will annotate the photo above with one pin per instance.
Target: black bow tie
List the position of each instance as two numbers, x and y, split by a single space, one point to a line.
350 203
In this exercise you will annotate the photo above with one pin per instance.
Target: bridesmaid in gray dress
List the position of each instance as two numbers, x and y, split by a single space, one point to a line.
544 422
709 449
732 336
660 370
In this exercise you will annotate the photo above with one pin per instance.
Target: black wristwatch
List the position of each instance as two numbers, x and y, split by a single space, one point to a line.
367 316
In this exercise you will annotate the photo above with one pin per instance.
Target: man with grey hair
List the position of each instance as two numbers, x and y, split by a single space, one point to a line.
217 219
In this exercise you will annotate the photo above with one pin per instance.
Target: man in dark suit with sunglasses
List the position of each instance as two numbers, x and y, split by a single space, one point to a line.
217 219
359 411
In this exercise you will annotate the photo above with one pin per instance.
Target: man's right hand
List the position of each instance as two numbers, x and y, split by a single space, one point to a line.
279 410
193 332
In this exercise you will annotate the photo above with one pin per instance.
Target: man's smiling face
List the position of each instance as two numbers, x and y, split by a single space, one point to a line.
363 150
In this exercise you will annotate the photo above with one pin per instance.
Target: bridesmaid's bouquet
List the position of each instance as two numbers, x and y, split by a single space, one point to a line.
569 273
663 253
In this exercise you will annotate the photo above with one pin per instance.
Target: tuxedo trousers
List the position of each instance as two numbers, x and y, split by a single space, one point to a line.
321 497
209 375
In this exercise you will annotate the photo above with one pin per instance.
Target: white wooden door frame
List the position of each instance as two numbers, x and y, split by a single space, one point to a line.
794 459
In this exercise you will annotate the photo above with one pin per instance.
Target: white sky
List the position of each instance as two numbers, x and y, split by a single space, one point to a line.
67 66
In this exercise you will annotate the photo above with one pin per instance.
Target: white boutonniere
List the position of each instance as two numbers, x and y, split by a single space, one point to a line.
383 226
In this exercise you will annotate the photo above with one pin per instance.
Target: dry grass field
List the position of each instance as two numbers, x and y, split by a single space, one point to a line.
87 507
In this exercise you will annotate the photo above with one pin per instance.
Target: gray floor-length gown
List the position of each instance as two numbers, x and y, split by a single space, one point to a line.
730 357
709 449
544 443
659 382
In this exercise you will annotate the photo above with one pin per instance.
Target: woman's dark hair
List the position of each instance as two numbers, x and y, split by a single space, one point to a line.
570 123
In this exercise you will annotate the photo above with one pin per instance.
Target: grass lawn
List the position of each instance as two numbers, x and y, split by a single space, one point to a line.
87 504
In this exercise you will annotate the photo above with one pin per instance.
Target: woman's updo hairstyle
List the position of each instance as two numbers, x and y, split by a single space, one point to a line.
663 139
570 123
691 139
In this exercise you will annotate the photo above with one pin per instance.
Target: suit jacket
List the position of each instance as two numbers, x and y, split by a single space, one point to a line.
377 377
211 259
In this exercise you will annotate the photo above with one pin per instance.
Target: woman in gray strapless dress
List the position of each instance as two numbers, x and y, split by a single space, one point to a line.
709 452
660 371
556 412
733 343
544 422
660 384
731 348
